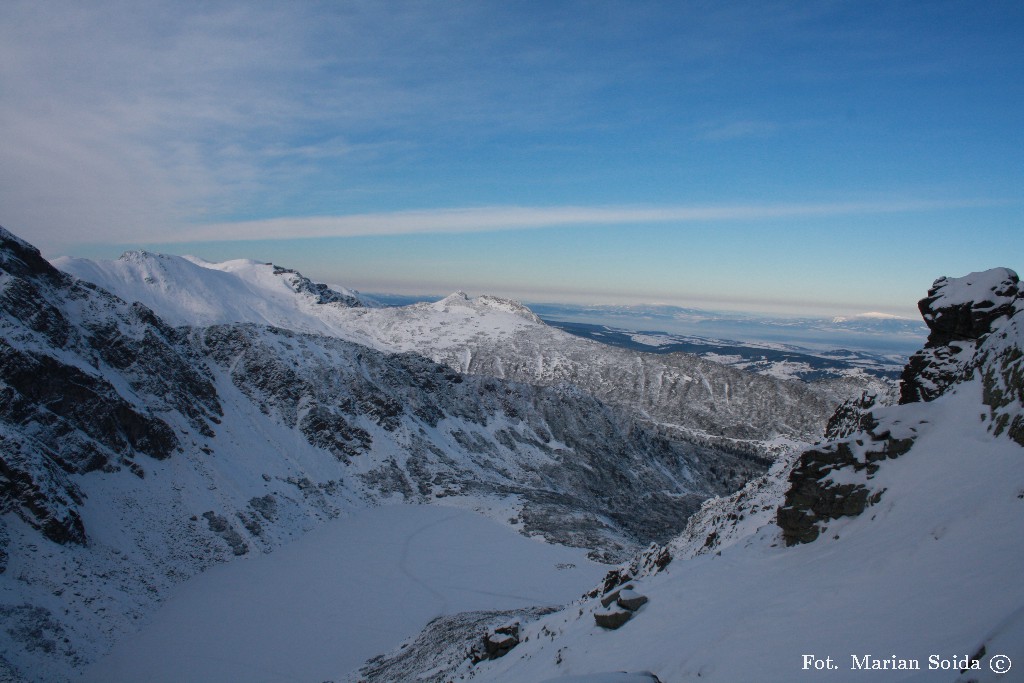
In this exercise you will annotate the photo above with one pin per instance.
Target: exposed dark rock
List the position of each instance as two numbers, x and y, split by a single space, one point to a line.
45 391
612 617
266 506
610 597
389 479
1003 388
21 259
38 491
250 522
968 315
624 596
321 293
814 498
333 432
442 646
34 628
220 526
851 417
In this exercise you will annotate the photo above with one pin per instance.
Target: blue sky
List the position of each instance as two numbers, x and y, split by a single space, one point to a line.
825 157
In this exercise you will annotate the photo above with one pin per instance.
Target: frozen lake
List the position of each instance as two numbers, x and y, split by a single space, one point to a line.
318 608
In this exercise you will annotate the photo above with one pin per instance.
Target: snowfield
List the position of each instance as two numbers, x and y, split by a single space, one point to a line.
356 586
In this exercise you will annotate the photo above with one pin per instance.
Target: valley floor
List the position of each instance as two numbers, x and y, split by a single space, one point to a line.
319 607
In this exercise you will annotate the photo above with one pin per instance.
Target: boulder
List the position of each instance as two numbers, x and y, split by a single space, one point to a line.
612 618
611 597
631 600
499 643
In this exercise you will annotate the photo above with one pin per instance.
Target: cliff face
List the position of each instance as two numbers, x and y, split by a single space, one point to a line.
87 382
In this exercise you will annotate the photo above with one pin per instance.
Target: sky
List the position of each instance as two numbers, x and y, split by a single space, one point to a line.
804 157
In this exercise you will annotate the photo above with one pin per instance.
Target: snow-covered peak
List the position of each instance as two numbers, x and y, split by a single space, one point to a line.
508 306
485 304
187 290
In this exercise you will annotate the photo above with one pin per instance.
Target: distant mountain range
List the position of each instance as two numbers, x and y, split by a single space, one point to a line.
785 361
878 334
808 349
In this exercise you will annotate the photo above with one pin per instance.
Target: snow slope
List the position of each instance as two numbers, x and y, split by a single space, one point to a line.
934 569
190 291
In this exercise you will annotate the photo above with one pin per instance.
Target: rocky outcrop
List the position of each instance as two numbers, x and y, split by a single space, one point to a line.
975 324
318 292
832 481
1003 379
851 417
496 644
443 647
960 313
612 618
975 330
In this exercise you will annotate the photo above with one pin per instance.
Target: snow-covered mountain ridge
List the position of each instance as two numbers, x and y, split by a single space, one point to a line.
136 455
492 337
893 547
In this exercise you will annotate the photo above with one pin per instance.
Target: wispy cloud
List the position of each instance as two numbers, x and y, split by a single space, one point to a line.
146 121
496 218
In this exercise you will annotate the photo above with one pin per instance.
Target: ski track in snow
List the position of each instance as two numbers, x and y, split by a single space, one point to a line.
404 561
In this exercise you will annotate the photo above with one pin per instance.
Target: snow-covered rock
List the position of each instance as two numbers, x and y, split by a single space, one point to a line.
959 312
